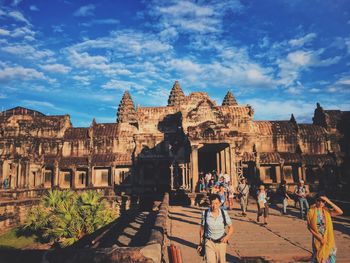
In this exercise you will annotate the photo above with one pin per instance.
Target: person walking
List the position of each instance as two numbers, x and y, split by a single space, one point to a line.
231 195
319 222
212 234
243 193
284 196
302 193
223 196
263 207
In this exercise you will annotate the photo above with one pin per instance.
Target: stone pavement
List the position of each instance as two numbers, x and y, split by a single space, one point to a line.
284 239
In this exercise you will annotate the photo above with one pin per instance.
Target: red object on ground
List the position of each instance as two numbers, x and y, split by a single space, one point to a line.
178 254
173 253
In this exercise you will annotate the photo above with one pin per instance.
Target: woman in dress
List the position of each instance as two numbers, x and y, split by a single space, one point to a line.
319 221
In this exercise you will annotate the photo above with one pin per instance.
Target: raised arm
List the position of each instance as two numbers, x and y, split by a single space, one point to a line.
336 211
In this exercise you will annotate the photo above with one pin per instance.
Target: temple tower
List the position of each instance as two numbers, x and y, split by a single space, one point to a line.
176 96
126 111
229 100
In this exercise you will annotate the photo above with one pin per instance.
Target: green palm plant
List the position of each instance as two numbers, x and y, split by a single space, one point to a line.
64 217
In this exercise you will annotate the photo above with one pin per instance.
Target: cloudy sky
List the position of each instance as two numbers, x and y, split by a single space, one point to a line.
78 57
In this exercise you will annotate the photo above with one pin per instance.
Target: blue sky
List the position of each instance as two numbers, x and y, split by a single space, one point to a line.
78 57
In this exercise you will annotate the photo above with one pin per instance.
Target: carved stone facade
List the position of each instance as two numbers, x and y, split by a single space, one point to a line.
157 148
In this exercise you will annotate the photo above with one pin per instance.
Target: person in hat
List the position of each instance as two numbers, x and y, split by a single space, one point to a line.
301 192
263 207
319 222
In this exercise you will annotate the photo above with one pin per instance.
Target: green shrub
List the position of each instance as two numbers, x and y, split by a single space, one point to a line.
63 217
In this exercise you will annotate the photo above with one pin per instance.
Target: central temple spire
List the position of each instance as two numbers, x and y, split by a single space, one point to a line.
176 96
229 99
126 110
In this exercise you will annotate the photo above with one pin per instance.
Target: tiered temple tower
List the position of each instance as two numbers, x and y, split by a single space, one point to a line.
126 110
176 96
229 100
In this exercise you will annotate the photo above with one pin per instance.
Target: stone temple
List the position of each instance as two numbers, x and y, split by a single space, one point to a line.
163 148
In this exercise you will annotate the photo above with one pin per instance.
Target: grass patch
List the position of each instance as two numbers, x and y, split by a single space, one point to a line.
11 239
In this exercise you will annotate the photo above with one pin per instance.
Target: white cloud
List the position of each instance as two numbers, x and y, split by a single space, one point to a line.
20 73
27 51
85 80
299 42
109 21
18 16
56 68
24 32
300 58
87 10
347 43
122 85
266 109
4 32
16 2
193 16
33 8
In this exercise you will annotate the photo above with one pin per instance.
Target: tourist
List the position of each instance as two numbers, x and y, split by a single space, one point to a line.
301 192
243 194
319 222
284 196
223 196
201 184
231 195
263 207
212 236
227 178
207 180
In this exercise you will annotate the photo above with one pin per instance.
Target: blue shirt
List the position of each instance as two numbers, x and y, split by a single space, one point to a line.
215 225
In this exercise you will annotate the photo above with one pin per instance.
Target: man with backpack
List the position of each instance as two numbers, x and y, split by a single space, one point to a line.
212 234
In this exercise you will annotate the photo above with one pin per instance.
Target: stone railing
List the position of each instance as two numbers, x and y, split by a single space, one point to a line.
152 252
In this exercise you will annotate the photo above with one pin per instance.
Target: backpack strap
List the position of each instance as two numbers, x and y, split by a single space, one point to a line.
205 221
223 216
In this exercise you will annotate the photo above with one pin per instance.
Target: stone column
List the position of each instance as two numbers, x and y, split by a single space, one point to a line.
171 177
55 174
194 166
183 175
217 162
74 177
300 173
227 161
222 161
303 172
19 175
278 173
1 172
233 173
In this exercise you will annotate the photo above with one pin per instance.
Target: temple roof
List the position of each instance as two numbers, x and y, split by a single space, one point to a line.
318 159
176 96
105 129
21 111
229 99
274 127
311 130
76 133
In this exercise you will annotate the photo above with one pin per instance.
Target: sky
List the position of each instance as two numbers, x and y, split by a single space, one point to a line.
78 57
